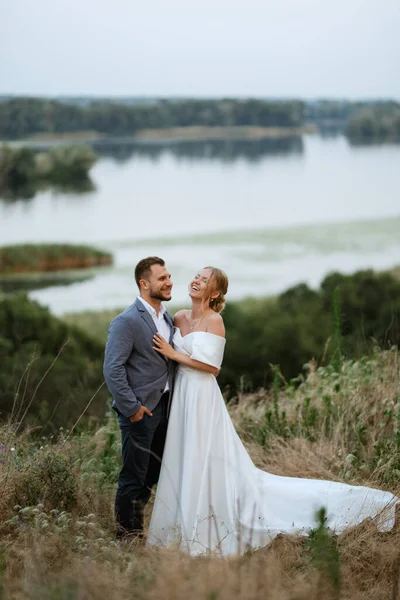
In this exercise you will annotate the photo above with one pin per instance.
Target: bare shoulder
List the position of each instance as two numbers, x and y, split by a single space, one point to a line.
180 317
215 324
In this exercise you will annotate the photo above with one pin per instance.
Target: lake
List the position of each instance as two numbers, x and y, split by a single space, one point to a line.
271 213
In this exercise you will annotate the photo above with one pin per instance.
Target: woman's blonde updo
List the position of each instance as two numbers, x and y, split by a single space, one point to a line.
218 283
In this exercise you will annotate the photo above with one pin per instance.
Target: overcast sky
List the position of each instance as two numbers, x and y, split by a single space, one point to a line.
301 48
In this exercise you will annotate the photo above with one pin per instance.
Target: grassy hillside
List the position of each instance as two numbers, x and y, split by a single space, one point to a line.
57 532
347 315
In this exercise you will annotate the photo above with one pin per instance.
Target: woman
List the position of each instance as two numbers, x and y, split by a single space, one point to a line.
210 496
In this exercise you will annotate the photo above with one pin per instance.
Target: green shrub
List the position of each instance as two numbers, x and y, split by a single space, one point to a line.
380 123
17 167
47 478
324 553
23 171
50 371
100 460
345 318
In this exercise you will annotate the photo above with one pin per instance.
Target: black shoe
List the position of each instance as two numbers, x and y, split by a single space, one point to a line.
136 535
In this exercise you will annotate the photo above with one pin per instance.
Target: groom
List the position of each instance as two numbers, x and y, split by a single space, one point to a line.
140 381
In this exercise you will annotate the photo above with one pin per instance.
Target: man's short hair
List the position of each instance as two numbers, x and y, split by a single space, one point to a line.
143 268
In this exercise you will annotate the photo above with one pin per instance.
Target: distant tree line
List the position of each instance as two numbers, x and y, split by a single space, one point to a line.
332 112
362 122
20 117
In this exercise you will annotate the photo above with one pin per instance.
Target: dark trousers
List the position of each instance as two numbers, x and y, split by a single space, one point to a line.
142 449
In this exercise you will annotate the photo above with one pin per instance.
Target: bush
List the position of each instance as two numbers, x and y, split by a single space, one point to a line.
303 324
71 163
379 123
22 170
50 371
46 478
17 167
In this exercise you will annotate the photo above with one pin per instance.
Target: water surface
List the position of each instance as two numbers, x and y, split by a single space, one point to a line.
271 213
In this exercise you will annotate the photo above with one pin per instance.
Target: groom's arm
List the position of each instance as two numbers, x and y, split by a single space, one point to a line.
162 346
119 346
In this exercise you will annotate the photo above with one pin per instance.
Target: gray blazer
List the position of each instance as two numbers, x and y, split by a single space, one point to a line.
135 373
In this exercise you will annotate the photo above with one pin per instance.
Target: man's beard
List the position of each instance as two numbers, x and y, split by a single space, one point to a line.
159 295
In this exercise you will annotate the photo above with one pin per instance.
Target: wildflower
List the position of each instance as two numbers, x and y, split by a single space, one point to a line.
13 449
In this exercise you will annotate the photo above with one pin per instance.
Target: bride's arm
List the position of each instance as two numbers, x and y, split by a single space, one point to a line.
162 346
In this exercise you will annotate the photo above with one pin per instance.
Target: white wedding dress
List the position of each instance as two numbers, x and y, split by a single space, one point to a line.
212 498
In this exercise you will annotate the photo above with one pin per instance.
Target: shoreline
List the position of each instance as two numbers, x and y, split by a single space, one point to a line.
194 133
164 136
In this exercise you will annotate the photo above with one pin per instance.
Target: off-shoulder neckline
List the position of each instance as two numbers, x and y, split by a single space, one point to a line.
206 332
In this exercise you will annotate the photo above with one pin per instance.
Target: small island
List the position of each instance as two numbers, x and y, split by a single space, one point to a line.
42 258
23 170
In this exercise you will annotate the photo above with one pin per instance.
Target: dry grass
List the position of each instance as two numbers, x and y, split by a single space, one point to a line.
364 411
73 554
222 133
51 567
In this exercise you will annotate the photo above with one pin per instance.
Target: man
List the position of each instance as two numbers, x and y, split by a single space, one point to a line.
140 381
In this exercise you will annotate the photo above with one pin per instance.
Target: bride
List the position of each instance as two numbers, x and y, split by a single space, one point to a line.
210 496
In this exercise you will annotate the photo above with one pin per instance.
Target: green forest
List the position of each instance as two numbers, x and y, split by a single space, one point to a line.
362 121
21 117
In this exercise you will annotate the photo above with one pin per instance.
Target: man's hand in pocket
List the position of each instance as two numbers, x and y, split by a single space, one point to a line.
138 416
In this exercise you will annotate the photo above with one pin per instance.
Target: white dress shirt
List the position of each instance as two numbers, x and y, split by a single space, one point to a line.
162 325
